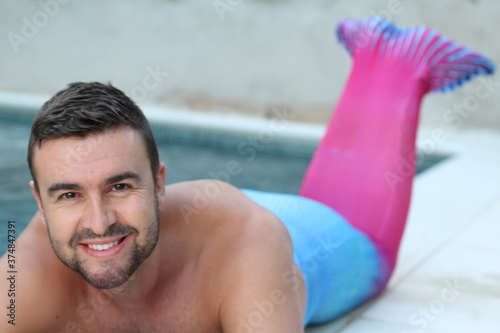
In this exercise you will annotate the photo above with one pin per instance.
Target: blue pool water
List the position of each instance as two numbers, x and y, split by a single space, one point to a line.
259 169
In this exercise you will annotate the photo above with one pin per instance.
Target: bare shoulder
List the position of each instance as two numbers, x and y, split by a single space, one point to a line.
207 198
219 205
33 281
216 204
251 255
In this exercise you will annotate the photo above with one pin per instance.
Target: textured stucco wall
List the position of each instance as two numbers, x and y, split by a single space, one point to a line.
230 55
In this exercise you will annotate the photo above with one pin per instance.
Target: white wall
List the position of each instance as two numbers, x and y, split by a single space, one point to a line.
254 56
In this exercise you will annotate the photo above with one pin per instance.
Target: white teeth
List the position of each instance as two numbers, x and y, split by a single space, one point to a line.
102 247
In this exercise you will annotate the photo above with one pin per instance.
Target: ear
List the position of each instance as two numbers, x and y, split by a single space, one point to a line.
160 178
37 197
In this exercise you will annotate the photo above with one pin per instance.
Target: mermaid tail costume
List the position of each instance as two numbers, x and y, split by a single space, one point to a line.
347 222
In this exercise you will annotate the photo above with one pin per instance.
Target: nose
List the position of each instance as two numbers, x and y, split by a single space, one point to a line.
98 215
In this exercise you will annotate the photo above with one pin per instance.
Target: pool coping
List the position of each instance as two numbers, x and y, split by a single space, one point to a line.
277 135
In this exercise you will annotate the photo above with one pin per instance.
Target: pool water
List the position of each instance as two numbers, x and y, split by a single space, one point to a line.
259 170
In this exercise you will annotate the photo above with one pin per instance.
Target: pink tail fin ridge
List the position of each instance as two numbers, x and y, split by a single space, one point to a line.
449 64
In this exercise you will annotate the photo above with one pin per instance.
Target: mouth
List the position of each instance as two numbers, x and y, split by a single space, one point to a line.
105 249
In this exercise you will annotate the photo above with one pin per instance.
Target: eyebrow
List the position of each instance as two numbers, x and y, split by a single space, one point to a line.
75 187
123 176
62 187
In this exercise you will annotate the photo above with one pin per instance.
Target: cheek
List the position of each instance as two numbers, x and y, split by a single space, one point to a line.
63 221
61 224
137 210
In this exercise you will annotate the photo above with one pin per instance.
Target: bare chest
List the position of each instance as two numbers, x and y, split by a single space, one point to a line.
174 315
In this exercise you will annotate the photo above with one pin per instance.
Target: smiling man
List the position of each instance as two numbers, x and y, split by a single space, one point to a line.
110 249
107 203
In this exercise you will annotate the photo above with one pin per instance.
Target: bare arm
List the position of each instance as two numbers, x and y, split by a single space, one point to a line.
263 291
25 295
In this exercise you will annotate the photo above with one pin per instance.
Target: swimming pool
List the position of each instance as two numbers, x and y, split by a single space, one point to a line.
262 165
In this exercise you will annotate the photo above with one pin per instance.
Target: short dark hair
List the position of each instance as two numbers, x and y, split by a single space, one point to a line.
87 108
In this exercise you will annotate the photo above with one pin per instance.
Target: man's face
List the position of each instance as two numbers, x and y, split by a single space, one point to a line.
99 201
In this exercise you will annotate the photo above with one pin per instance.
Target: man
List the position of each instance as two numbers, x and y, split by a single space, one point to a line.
124 259
111 250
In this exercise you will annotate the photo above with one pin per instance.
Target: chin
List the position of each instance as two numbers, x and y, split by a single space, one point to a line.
107 278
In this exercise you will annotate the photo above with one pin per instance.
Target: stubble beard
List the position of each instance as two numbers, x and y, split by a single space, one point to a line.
110 274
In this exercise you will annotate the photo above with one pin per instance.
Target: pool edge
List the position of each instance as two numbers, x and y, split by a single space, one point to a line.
279 134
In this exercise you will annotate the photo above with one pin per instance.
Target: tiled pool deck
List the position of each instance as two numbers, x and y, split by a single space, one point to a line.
448 275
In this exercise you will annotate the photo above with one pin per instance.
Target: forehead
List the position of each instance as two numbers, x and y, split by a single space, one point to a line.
96 155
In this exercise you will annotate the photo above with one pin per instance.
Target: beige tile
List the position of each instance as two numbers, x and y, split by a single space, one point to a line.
483 233
365 325
445 201
456 290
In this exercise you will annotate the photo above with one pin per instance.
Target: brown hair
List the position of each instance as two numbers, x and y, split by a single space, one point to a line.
87 108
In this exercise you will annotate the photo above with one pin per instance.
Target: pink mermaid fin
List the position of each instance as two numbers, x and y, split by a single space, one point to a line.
364 166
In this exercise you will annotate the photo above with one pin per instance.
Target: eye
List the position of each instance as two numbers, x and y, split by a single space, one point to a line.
68 196
120 187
